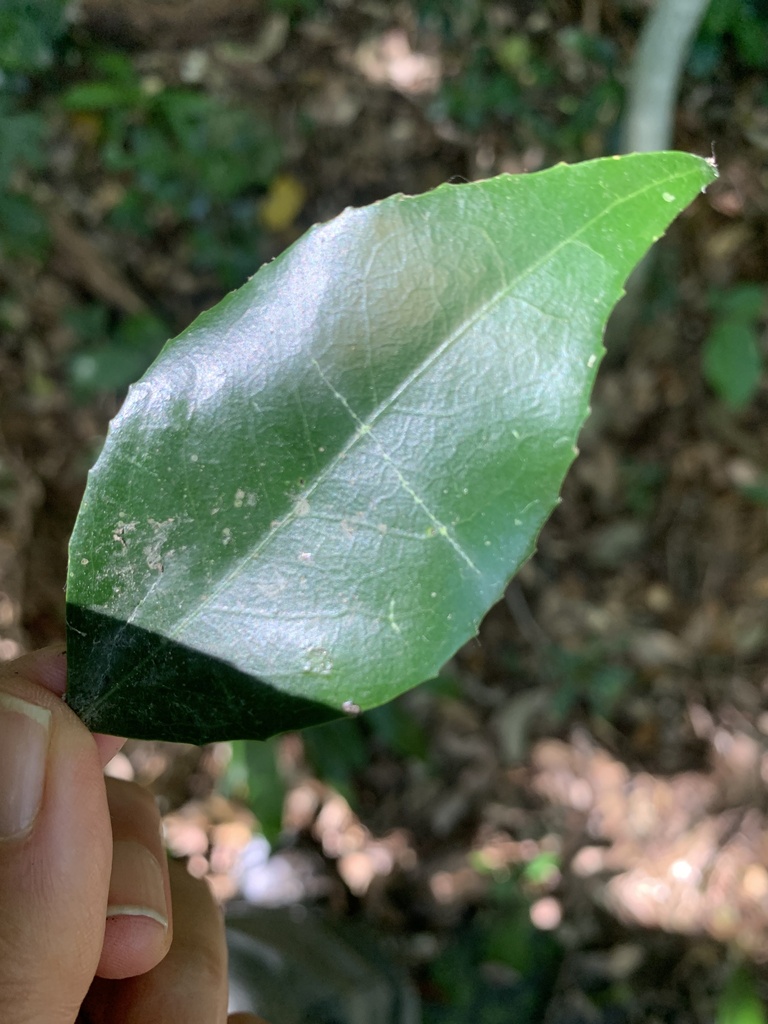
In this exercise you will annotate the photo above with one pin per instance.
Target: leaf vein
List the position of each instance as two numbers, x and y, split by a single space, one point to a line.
364 427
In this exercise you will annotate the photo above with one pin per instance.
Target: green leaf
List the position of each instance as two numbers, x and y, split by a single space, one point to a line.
113 364
731 362
739 1002
744 302
103 96
29 30
337 753
22 138
253 777
23 229
318 489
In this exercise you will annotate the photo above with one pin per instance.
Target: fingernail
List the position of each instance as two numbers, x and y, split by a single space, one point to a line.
136 888
24 734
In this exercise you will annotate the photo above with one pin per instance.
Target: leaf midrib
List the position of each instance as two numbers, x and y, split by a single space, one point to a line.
376 414
364 427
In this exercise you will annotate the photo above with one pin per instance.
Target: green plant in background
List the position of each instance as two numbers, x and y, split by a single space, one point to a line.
338 750
23 230
591 676
732 361
253 776
731 29
297 9
184 158
521 79
482 91
641 484
186 168
29 34
497 969
455 20
113 350
29 30
740 1001
23 136
316 492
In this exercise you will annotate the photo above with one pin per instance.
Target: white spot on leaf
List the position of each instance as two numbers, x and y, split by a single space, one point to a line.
392 621
317 662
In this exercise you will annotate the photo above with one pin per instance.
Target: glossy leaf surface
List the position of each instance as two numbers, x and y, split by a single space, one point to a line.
315 493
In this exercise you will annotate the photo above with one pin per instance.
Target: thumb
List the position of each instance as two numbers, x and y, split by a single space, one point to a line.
55 852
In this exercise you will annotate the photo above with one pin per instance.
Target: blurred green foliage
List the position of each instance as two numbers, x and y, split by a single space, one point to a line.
28 33
29 30
187 160
336 753
253 777
114 350
498 968
532 83
339 750
297 8
187 170
740 1002
732 361
454 20
641 484
592 677
732 31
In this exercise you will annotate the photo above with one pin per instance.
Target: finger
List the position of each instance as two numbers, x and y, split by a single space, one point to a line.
138 929
48 668
55 850
190 984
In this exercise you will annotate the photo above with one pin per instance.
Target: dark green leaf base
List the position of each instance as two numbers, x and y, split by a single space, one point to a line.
188 695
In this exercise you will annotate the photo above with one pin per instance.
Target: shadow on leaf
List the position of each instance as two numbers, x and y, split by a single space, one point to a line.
143 685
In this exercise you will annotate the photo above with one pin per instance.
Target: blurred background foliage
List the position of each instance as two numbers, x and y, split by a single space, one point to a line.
184 165
151 176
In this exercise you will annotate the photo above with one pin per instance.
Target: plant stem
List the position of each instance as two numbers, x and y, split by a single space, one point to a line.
649 125
661 53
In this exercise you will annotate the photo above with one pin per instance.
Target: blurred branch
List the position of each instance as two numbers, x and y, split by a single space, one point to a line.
514 598
649 123
661 53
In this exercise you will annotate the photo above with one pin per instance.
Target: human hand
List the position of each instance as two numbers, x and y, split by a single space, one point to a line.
94 927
